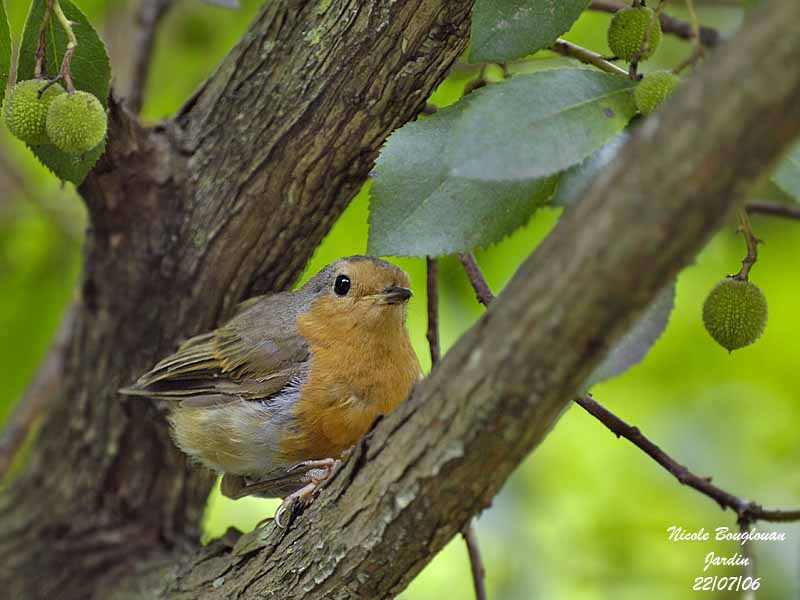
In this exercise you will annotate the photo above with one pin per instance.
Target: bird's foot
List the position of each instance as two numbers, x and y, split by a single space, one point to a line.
317 473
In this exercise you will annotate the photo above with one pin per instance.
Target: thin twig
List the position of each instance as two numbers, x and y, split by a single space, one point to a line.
433 309
476 278
752 246
475 561
35 401
148 18
773 209
744 509
39 69
709 37
468 533
699 51
586 56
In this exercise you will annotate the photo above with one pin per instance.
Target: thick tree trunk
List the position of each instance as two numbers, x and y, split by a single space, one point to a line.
106 489
227 200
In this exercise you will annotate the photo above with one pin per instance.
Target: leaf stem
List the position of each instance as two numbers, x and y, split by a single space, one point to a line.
746 229
586 56
41 49
72 44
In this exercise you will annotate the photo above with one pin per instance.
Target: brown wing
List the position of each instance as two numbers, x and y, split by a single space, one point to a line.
253 356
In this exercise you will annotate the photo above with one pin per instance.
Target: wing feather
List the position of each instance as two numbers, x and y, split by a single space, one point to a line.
253 356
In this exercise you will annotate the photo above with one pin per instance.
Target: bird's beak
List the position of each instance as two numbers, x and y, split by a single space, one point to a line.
394 295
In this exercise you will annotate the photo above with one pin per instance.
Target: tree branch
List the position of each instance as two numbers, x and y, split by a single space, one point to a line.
774 209
148 19
482 290
745 510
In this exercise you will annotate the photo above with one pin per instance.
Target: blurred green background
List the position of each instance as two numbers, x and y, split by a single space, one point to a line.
586 516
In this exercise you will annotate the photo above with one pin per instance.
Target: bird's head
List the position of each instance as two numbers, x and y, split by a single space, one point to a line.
359 291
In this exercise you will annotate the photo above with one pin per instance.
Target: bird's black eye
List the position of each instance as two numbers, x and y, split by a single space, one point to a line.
342 285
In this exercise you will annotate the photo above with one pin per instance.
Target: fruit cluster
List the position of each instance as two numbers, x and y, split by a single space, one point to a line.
634 35
38 113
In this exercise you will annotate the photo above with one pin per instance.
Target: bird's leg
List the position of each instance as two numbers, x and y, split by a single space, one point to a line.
317 472
308 476
330 464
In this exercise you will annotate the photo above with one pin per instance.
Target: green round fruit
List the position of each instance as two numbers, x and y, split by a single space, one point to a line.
76 122
627 32
735 313
654 89
25 112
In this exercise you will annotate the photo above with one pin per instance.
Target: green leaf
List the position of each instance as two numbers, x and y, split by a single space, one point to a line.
634 345
787 175
475 171
507 29
538 124
5 50
418 208
91 72
576 180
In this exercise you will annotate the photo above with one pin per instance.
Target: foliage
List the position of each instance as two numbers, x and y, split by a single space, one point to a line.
634 345
509 29
485 164
91 71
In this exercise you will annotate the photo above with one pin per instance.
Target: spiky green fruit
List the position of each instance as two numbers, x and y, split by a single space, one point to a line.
25 111
627 32
735 313
76 122
654 89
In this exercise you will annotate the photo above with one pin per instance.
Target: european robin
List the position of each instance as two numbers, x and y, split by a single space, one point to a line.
272 398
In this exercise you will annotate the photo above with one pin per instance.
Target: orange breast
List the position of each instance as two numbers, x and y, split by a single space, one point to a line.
348 387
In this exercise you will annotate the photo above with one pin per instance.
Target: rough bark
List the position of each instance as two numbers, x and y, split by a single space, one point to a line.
228 199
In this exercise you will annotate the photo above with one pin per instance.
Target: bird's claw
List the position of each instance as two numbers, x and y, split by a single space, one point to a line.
318 472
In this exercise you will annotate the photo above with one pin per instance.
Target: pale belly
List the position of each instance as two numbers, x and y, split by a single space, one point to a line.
242 437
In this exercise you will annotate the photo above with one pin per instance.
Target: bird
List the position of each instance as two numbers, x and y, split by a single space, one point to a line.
273 398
